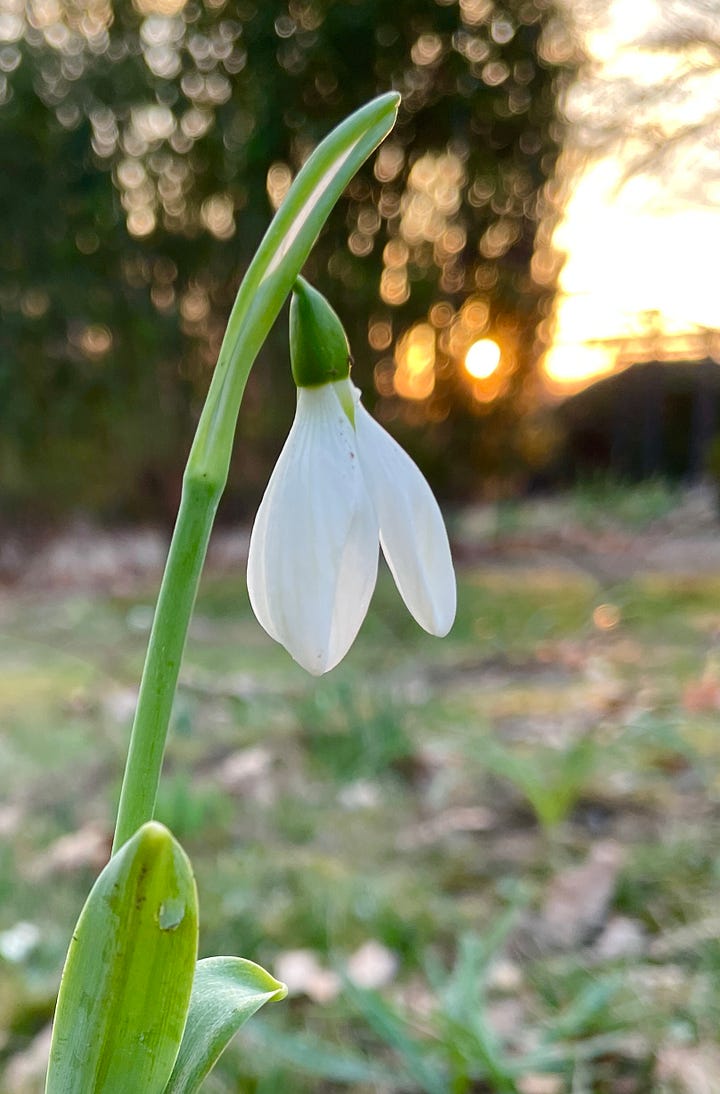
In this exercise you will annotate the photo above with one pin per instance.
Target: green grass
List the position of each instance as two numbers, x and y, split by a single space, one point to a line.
605 498
352 820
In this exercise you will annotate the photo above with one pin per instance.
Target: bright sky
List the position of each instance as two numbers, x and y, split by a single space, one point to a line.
638 256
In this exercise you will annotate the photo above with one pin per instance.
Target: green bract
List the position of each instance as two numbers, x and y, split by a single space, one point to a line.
319 351
127 980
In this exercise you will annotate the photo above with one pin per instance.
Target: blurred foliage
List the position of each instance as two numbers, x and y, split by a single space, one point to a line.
427 855
351 736
552 781
143 148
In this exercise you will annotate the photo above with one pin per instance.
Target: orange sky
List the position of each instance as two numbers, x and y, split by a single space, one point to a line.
638 255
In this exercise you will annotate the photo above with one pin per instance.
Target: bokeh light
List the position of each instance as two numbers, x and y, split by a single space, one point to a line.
180 126
415 360
482 358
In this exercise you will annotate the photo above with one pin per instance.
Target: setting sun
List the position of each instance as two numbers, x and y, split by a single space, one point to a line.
637 234
634 276
482 358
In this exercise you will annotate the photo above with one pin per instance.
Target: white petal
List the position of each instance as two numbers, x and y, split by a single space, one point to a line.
412 531
313 554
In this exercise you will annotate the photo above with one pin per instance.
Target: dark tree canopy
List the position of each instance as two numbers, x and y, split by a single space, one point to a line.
143 149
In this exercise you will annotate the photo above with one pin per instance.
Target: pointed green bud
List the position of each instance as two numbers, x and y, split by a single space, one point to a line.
319 351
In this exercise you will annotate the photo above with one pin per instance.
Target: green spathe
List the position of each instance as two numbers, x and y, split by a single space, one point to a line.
128 976
319 351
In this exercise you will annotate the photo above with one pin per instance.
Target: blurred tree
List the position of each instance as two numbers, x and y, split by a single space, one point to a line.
143 149
647 91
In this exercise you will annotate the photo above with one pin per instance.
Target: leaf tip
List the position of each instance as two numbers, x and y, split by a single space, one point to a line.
154 834
391 101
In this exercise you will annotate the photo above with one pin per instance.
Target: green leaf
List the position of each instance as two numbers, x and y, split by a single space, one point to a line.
127 980
306 1053
226 992
394 1031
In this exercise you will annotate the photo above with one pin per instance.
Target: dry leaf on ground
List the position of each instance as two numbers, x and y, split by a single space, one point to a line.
88 847
692 1069
372 965
578 898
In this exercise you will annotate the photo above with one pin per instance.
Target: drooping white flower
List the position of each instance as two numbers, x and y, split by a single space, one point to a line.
339 489
314 546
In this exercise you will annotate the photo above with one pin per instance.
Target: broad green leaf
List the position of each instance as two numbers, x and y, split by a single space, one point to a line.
127 980
226 992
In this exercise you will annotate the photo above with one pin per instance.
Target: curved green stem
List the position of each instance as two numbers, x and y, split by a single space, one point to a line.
267 282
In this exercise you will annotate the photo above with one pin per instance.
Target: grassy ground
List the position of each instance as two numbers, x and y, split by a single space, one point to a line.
484 864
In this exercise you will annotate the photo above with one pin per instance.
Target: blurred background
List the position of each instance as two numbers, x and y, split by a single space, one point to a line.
487 864
540 217
145 149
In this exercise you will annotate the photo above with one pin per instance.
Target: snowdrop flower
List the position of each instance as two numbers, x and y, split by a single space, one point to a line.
341 486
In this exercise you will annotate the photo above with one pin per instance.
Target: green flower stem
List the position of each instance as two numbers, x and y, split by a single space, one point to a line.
268 281
186 557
